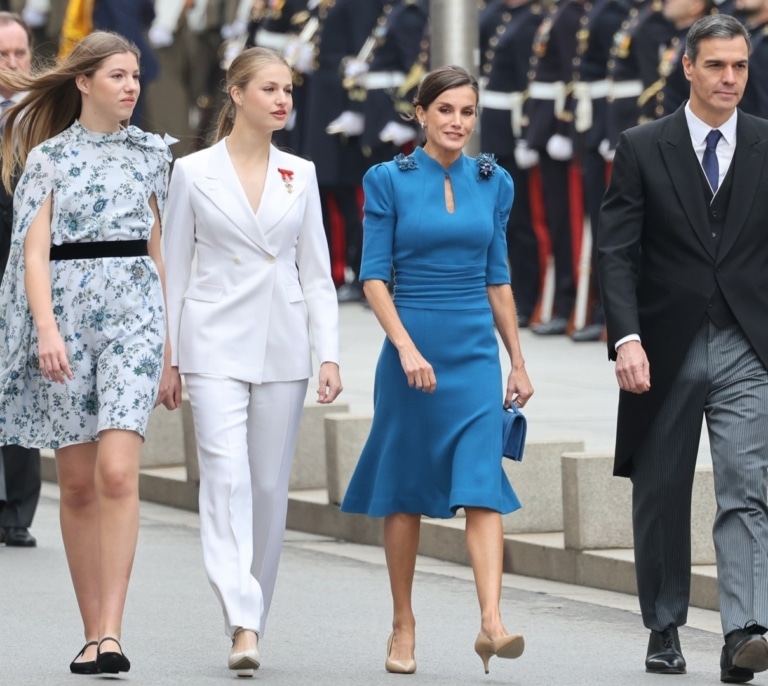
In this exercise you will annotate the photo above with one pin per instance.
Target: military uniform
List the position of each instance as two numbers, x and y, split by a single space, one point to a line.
633 66
590 91
549 122
397 63
279 21
672 88
755 99
344 26
507 35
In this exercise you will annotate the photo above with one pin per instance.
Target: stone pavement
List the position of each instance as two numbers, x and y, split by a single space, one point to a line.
330 617
329 621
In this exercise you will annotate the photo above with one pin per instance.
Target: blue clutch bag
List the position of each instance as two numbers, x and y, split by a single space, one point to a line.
513 436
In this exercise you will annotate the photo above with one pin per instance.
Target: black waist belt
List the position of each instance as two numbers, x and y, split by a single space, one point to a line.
87 251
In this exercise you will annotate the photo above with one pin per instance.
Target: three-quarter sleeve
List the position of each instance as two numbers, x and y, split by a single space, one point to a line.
497 271
379 218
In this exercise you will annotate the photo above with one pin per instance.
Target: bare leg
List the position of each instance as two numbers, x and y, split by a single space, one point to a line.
117 488
485 544
401 543
79 516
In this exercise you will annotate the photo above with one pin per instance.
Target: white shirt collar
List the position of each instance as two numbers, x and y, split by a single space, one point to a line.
699 130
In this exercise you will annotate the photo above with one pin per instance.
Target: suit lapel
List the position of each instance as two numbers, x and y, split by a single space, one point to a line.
222 187
748 162
682 166
283 185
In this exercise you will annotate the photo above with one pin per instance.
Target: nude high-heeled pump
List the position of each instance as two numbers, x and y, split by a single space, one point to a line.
508 647
244 661
398 666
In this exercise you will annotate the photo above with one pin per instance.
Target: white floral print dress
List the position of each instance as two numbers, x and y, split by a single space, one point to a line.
109 311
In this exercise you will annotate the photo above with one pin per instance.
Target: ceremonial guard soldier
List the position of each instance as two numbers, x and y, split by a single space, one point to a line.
548 131
284 27
633 66
395 65
755 16
504 72
590 91
342 29
671 89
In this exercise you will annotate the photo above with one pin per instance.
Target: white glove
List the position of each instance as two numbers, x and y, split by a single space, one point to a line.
233 30
347 124
354 67
300 55
159 37
606 150
525 157
397 133
560 148
34 18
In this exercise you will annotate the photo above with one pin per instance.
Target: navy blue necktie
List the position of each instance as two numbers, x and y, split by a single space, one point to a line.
709 161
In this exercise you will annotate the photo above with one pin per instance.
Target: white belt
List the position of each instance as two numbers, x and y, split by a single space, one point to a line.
538 90
271 39
377 80
625 89
497 100
598 89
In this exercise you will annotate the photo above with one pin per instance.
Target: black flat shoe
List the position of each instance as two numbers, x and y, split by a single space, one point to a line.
84 667
664 653
111 662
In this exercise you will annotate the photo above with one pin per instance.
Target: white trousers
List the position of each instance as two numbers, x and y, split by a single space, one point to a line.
246 437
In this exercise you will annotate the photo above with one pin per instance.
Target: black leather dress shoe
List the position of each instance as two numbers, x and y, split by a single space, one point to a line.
18 536
664 653
744 653
591 332
554 327
350 293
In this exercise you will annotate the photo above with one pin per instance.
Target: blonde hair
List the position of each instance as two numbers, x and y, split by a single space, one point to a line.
53 100
243 68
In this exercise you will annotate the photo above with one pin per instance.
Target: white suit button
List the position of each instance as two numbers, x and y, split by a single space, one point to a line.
236 260
271 259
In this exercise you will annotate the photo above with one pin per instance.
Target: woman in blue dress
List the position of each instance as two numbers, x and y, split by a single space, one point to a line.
83 355
437 220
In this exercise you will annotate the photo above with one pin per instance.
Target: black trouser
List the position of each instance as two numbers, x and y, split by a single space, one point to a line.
555 188
22 486
593 178
522 246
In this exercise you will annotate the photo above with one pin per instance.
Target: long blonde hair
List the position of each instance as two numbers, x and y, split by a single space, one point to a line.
243 68
53 100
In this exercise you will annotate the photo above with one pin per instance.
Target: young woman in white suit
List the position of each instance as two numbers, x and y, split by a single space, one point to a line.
240 326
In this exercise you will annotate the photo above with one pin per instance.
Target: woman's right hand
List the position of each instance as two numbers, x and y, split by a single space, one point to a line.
52 355
418 371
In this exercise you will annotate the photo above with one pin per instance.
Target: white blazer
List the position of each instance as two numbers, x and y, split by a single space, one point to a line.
262 288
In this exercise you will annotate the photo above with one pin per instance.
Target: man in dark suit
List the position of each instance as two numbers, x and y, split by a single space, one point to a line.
21 466
682 253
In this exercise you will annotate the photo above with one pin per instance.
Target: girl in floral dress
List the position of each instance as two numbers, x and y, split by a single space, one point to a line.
82 324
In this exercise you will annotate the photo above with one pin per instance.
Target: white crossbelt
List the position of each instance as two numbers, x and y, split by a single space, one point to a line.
625 89
377 80
271 39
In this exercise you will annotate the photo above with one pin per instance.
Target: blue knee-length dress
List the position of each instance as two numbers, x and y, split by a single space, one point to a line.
432 453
